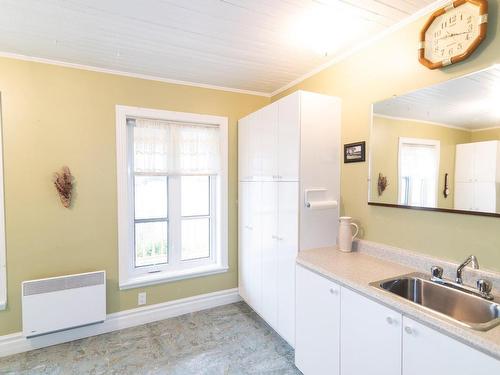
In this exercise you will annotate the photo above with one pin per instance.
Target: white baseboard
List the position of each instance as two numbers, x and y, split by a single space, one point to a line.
17 343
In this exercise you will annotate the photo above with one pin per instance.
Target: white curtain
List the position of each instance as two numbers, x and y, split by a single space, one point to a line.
418 174
172 148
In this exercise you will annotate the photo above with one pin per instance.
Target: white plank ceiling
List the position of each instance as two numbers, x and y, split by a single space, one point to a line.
471 102
244 44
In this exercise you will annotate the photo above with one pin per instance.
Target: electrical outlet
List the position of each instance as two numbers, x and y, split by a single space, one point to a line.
141 298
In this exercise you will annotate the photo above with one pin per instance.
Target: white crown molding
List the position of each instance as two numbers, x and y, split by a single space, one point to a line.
16 56
397 118
485 129
17 343
377 37
435 123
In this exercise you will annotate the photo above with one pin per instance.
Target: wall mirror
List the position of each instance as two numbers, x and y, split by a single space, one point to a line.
438 148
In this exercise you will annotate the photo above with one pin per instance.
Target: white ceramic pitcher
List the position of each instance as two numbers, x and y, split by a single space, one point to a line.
345 233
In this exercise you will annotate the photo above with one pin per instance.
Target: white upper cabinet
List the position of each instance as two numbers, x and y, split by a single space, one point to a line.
289 138
317 344
477 162
267 142
255 154
426 351
249 157
485 161
243 149
464 162
370 337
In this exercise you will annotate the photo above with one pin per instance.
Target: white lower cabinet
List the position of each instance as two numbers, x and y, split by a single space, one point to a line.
370 337
287 253
427 351
349 334
269 215
317 329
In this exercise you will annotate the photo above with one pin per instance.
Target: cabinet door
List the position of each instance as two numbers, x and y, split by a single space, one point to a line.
268 142
485 161
318 324
428 351
289 138
464 195
244 240
464 163
250 254
485 196
269 207
254 151
243 149
371 337
288 237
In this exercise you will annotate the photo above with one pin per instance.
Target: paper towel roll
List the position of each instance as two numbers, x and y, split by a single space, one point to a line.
322 205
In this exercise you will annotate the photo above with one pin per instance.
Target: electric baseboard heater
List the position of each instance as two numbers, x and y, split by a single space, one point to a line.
64 302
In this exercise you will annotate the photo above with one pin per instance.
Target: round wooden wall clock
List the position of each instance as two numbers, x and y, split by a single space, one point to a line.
453 32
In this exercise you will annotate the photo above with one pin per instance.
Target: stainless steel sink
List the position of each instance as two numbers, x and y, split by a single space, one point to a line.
453 301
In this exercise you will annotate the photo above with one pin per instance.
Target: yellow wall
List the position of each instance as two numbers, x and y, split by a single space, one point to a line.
384 154
486 135
54 116
386 68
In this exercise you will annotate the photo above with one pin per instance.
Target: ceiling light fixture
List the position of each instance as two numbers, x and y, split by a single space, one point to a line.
322 27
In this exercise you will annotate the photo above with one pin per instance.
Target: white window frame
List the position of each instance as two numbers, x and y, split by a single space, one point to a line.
424 142
3 255
129 277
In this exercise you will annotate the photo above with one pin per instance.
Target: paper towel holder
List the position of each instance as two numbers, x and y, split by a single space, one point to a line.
307 202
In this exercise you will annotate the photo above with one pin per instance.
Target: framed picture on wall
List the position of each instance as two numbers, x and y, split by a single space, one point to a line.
354 152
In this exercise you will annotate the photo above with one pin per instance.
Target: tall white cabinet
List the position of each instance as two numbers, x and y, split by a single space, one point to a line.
477 176
286 148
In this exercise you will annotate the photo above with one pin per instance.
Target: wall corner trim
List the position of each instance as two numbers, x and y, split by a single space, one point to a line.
17 343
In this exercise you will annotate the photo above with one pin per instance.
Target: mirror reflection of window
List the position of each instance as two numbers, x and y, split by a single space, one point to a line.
418 172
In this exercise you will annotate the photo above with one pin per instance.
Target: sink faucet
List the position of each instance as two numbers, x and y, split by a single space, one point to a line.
472 260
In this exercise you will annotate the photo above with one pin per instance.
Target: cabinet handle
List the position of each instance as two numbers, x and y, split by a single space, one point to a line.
333 291
389 320
274 237
280 238
408 330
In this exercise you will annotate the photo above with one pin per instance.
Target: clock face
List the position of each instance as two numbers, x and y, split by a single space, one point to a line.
452 33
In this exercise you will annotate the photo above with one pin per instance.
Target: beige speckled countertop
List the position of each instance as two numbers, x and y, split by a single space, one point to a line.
356 270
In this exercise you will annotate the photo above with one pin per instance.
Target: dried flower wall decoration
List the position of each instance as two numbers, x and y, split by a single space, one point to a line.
63 181
381 184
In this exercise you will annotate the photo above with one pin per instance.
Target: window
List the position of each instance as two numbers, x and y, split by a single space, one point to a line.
418 172
172 194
